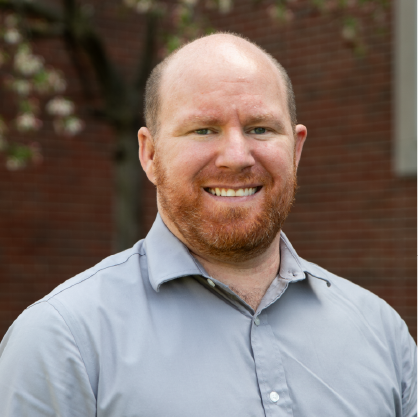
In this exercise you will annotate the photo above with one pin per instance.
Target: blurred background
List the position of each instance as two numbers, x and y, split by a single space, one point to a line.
71 90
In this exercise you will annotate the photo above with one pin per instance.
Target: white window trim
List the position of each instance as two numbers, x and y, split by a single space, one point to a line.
405 87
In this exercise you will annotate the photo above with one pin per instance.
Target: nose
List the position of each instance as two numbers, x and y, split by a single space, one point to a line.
234 151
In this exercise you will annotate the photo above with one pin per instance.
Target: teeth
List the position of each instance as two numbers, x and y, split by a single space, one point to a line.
232 193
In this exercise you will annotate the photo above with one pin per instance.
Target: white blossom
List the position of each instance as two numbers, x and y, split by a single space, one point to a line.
60 107
143 6
56 81
225 6
52 81
73 125
69 126
349 33
22 87
12 36
14 164
27 63
28 122
189 2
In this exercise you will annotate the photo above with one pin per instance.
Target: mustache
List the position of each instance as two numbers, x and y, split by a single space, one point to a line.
226 177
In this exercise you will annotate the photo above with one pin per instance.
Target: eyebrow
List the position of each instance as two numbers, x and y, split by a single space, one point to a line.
209 120
269 118
204 120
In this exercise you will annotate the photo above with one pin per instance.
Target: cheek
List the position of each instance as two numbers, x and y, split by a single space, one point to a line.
185 159
276 159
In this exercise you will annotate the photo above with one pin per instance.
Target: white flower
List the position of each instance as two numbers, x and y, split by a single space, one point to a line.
60 107
50 81
225 6
56 81
143 6
14 163
189 2
69 126
74 125
22 87
27 63
28 122
348 33
12 36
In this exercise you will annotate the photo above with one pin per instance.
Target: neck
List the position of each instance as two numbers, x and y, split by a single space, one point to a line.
249 279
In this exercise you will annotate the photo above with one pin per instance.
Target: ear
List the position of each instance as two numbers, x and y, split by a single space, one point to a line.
147 152
301 133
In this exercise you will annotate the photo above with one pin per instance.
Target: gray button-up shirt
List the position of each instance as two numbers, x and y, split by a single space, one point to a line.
148 332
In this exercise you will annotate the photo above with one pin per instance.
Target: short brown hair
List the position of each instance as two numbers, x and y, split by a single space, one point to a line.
152 103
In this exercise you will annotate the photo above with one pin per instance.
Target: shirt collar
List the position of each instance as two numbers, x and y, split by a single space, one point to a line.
168 259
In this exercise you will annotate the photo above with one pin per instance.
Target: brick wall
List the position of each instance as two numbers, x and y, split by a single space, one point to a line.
352 215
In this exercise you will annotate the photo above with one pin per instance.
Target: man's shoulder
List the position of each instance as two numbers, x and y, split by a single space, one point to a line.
356 301
115 271
346 288
79 313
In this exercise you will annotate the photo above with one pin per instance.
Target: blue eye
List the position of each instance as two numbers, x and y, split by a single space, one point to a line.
203 131
259 130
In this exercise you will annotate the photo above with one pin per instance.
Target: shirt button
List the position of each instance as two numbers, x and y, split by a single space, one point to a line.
211 283
257 321
274 396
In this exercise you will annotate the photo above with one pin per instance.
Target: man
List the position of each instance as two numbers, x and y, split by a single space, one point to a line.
214 313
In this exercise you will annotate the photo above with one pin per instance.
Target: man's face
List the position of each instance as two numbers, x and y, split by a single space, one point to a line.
225 158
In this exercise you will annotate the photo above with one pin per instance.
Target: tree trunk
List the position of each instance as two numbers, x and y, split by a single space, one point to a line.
128 191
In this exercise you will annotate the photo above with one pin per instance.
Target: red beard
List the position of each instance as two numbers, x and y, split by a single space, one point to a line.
229 234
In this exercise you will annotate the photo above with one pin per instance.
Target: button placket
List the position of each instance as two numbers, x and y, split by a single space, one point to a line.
269 369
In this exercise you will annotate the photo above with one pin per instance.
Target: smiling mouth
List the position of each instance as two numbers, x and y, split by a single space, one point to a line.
218 191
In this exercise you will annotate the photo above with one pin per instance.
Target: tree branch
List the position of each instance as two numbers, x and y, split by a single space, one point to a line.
33 8
53 31
81 35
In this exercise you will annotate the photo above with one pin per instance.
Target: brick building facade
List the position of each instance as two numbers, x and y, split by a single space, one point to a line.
353 214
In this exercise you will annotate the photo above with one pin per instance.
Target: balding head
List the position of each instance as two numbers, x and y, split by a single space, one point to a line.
205 56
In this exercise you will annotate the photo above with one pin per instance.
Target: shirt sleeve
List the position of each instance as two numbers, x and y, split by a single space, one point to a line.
409 374
41 369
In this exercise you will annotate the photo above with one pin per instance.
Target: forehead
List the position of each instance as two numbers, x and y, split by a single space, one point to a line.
209 79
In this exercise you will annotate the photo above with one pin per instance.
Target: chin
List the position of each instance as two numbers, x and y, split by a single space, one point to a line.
233 234
226 231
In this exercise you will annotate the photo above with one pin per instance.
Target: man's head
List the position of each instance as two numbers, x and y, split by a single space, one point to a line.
153 88
221 121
